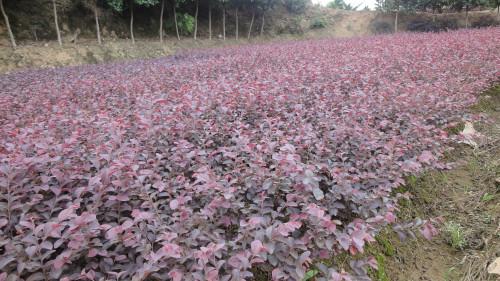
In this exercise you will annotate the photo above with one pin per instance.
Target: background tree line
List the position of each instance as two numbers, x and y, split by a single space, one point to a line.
436 6
184 19
185 14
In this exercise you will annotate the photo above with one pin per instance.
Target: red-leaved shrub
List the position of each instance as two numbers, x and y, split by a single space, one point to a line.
205 165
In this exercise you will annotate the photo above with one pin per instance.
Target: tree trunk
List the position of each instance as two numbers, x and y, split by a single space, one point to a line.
175 21
7 23
224 23
237 28
467 16
161 20
262 25
34 33
132 21
251 25
54 7
210 21
396 22
196 20
98 28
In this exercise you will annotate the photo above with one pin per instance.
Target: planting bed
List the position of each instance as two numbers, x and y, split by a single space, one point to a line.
212 165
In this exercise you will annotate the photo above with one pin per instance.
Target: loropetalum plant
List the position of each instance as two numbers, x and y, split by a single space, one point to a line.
205 165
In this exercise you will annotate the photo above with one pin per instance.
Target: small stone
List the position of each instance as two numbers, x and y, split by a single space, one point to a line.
494 267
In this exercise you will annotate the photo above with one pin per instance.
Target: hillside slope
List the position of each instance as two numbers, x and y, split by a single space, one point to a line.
315 22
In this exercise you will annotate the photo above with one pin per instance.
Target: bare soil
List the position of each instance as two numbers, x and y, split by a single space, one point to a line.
87 51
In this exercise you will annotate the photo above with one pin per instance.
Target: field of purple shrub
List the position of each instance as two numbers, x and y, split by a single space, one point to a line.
204 165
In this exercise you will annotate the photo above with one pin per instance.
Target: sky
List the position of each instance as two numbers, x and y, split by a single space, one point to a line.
369 3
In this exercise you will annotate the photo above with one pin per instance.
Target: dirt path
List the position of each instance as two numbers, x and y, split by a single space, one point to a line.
467 197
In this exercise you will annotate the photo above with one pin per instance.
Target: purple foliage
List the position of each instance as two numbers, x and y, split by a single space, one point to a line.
202 166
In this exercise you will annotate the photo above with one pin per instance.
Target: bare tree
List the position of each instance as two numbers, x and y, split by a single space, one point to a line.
196 20
7 23
161 20
264 6
251 24
145 3
210 20
396 19
237 28
467 15
223 20
175 20
92 5
262 24
98 30
97 27
497 3
56 22
132 21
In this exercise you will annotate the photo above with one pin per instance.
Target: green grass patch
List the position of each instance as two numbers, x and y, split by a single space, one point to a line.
311 274
487 197
384 241
455 236
455 130
381 271
488 101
